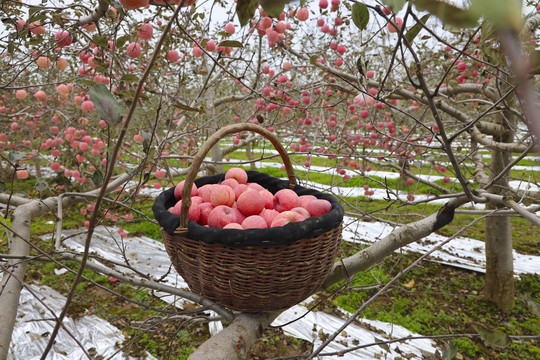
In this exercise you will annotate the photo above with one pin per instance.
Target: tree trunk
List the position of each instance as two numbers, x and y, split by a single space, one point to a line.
250 157
499 287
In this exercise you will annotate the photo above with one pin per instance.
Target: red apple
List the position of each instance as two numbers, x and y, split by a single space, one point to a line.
238 174
232 183
268 198
319 207
239 189
205 191
197 200
194 211
302 211
254 222
220 216
206 209
398 21
255 186
222 195
286 217
285 199
250 203
305 200
268 215
233 226
180 186
239 216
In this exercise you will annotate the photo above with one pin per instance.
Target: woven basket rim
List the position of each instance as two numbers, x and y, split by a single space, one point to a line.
252 237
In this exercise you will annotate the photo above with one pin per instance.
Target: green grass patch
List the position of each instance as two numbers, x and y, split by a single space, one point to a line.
434 299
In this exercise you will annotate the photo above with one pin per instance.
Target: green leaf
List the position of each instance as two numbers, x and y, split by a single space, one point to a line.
41 185
260 119
360 15
231 43
411 34
146 145
122 40
100 40
502 14
184 107
85 82
35 40
97 178
146 134
106 105
449 14
313 59
41 16
395 5
493 337
129 78
452 351
102 70
31 11
533 306
274 7
245 10
15 156
360 66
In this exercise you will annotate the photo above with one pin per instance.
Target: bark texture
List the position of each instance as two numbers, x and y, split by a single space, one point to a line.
499 287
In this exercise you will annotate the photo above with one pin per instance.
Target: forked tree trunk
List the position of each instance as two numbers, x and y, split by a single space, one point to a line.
499 287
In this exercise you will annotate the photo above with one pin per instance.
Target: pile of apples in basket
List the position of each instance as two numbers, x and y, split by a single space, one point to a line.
237 204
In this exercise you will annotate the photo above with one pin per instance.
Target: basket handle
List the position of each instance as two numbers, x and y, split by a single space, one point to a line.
207 146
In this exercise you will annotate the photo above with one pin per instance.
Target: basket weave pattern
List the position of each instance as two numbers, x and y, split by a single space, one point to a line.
255 278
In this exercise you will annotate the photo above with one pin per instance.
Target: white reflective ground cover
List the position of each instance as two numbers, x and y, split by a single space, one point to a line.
35 322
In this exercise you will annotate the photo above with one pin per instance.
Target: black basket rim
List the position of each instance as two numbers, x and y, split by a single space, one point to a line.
251 237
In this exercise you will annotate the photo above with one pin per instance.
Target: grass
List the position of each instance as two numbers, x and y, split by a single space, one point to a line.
435 299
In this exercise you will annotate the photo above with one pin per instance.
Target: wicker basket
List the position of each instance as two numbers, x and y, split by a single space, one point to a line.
257 277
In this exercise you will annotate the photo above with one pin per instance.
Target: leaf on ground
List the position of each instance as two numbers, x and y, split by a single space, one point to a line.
451 352
410 284
106 105
493 337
